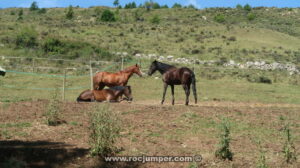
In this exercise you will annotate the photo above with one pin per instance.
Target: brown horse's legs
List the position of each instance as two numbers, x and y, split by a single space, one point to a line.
172 90
164 93
101 86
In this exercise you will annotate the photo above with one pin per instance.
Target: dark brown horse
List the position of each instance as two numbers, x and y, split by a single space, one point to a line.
102 79
111 95
175 76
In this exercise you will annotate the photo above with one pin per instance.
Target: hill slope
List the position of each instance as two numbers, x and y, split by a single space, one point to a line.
271 34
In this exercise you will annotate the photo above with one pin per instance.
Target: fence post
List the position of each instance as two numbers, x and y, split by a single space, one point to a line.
194 62
64 84
33 64
122 64
91 74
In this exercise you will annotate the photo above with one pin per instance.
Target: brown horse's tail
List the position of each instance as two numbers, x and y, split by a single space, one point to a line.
194 87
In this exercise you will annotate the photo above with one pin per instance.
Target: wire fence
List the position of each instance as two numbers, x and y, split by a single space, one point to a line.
71 76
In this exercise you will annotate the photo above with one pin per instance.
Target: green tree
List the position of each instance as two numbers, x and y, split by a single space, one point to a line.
116 3
239 6
155 6
176 5
108 16
33 6
70 12
164 6
247 7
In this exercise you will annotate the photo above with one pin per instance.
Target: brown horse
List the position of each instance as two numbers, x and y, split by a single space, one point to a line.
102 79
175 76
111 95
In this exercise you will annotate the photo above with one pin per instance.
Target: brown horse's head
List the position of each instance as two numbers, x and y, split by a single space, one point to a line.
127 93
134 69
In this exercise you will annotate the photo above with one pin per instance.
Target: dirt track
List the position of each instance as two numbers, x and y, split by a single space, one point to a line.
148 129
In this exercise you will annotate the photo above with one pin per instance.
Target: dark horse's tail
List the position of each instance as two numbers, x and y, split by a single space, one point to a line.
194 87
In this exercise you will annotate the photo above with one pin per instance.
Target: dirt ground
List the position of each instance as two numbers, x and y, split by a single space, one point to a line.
148 129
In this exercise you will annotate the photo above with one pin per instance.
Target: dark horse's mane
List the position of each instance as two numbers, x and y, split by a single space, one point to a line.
162 67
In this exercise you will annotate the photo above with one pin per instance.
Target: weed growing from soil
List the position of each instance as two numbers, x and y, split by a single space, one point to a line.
105 128
261 163
223 151
289 149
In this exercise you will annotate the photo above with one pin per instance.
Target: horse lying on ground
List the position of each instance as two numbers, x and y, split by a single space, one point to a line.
102 79
111 95
175 76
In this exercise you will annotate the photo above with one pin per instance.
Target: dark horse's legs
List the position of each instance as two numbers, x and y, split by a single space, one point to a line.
186 88
164 93
173 99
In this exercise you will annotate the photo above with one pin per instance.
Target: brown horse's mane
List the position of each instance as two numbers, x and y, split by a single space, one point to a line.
128 69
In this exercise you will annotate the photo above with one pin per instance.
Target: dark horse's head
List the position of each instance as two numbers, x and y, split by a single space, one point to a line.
161 67
152 68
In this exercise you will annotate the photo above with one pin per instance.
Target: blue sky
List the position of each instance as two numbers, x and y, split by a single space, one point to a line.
197 3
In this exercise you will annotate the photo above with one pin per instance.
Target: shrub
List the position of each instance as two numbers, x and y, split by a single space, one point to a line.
20 14
104 131
108 16
70 12
42 11
53 110
219 18
34 6
251 16
52 45
289 149
223 152
155 19
27 38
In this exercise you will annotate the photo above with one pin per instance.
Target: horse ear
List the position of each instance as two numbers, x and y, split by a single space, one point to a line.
154 61
136 65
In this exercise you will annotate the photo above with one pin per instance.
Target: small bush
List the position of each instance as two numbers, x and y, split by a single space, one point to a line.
219 18
155 19
251 16
232 38
289 149
70 12
223 152
105 128
27 38
108 16
42 11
